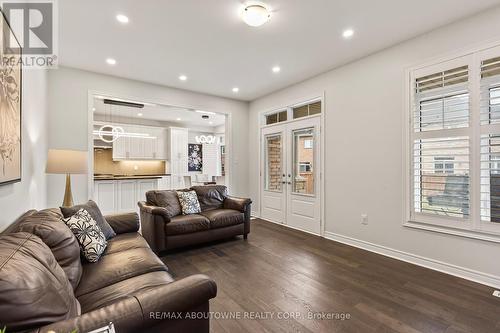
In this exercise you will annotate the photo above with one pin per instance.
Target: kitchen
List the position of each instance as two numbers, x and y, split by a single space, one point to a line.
142 146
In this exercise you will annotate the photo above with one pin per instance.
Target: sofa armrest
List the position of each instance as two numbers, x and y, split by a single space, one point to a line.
240 204
147 309
123 223
153 220
154 210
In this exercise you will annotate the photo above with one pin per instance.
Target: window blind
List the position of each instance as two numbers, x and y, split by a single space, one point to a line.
490 140
441 166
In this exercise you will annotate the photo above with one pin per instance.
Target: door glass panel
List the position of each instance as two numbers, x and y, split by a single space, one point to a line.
274 165
303 161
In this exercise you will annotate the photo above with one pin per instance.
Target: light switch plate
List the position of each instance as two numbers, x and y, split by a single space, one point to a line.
496 293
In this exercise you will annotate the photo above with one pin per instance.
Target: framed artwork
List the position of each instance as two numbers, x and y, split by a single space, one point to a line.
10 107
195 157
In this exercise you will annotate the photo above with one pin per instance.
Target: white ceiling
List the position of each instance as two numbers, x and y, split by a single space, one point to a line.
208 42
187 117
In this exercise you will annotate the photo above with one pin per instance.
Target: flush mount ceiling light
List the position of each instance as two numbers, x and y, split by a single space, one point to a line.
255 15
122 18
178 119
139 114
183 77
205 112
111 61
348 33
276 69
236 89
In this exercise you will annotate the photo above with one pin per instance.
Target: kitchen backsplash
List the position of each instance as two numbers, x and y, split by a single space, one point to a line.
104 164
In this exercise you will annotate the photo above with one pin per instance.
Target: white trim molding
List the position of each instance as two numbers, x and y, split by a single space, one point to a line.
461 272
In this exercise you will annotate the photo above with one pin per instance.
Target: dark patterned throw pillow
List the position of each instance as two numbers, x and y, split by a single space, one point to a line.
189 202
90 237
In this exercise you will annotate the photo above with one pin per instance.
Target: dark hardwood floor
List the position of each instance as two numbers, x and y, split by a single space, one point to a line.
280 272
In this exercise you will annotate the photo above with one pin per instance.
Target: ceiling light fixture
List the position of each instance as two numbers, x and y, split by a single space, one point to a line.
205 112
122 18
183 77
255 15
210 122
111 61
236 89
139 114
276 69
348 33
178 119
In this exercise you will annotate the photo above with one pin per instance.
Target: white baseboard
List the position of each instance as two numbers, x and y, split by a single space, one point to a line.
462 272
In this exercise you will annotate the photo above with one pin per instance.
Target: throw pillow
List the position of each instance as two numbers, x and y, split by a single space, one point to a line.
91 239
189 202
96 214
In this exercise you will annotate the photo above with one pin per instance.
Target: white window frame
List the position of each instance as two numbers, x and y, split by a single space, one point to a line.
472 226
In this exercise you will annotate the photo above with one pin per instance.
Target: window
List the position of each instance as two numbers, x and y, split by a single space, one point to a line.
277 117
444 164
305 167
308 144
307 110
454 174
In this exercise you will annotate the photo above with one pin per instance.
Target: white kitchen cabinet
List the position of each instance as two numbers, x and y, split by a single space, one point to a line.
139 148
165 183
144 186
105 193
126 195
121 195
178 150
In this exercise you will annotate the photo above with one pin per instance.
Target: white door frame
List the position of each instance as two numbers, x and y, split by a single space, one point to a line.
261 120
90 126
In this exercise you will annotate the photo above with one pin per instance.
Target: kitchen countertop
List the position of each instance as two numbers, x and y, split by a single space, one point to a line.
125 177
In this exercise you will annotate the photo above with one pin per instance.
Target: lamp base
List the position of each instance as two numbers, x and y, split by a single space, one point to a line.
68 196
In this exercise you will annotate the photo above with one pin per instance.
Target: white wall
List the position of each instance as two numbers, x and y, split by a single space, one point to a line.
68 120
364 152
30 193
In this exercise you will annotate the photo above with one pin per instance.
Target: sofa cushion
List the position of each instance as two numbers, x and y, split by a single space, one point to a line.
122 289
165 199
89 235
34 290
185 224
96 214
123 242
221 218
211 197
47 225
116 267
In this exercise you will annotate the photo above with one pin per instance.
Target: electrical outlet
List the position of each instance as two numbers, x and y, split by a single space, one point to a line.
364 219
496 293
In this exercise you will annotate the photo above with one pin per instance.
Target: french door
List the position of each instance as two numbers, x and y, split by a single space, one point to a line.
290 174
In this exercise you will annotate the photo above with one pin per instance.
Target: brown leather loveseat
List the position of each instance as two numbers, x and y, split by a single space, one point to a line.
222 216
44 286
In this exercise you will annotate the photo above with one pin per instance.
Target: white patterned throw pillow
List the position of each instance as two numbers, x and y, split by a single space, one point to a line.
189 202
90 237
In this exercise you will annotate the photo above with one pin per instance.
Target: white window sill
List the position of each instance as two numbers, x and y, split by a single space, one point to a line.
475 234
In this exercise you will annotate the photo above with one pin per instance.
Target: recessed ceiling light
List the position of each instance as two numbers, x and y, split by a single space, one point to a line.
111 61
255 15
348 33
211 122
276 69
93 109
139 114
236 89
183 77
122 18
178 119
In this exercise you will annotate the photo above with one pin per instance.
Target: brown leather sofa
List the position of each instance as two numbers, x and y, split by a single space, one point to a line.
222 216
44 286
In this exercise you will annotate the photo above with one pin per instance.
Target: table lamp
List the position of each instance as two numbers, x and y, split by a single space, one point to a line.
67 162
